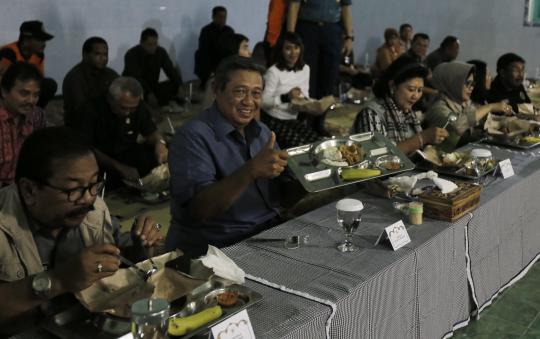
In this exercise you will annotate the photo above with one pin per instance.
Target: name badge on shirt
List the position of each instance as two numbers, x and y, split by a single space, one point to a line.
506 168
236 327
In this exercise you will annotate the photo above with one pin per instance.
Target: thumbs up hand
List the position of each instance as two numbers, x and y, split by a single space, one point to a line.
268 163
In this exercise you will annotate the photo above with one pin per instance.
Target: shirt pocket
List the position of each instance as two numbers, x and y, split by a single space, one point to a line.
11 271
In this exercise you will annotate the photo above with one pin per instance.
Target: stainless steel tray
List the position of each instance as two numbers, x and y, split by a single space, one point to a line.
508 142
205 296
305 160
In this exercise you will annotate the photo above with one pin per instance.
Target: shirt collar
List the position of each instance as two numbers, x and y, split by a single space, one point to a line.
5 114
222 127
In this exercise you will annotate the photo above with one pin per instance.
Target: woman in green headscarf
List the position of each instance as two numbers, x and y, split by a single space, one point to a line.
455 82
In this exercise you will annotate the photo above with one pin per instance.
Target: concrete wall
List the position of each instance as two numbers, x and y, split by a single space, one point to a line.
120 23
486 28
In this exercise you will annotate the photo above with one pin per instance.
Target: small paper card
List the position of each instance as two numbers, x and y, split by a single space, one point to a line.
397 235
236 327
506 168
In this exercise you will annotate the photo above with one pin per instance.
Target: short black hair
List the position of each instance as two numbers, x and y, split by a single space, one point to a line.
405 25
229 45
218 9
448 41
88 45
401 70
506 59
294 39
422 36
232 64
21 71
149 33
46 145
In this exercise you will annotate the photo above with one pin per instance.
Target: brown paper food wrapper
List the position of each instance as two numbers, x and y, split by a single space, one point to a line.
116 294
506 126
156 181
313 106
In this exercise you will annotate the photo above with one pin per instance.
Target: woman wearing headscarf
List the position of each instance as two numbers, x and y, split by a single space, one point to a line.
390 113
455 83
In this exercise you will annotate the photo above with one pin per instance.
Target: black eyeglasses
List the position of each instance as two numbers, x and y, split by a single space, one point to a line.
470 83
74 194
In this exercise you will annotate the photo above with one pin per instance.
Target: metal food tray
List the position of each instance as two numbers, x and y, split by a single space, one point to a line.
303 160
204 297
506 142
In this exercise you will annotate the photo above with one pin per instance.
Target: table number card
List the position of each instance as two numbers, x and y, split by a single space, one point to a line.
397 235
236 327
506 168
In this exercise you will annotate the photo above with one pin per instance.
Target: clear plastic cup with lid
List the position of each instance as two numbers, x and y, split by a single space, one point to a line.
480 158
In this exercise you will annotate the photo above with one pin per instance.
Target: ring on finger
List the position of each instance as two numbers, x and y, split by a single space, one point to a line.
157 226
99 267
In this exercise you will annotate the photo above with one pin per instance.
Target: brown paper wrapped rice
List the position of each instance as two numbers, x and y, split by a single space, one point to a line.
116 293
313 106
506 126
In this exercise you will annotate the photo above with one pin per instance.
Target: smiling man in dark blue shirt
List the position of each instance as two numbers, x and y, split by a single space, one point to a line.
222 164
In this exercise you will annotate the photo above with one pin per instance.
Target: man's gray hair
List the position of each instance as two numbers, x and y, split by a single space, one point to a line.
125 84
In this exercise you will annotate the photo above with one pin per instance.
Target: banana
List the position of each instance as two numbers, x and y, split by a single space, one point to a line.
181 326
359 173
530 139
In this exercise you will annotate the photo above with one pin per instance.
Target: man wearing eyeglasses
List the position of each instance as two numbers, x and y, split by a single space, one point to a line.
19 115
56 234
222 164
122 118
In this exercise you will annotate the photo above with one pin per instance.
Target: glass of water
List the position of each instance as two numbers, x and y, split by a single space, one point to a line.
348 217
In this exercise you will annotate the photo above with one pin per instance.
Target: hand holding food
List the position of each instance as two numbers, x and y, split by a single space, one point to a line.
147 230
295 93
434 135
93 263
502 107
269 163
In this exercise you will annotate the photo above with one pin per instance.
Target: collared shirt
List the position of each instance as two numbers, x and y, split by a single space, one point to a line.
113 135
146 67
203 152
515 96
84 87
321 10
24 251
12 135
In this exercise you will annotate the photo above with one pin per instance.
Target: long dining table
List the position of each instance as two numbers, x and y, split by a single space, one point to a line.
446 276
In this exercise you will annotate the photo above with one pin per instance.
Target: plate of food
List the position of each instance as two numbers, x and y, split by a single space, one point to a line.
339 152
467 164
511 132
343 161
210 306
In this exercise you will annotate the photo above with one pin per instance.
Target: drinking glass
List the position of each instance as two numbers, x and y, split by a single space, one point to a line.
348 217
480 158
149 319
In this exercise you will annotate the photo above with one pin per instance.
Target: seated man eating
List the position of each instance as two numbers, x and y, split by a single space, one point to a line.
508 84
122 118
56 234
222 165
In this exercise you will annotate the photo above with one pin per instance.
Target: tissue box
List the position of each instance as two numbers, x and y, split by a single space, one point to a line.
451 206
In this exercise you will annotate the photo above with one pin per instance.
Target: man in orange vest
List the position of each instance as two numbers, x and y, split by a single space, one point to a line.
29 48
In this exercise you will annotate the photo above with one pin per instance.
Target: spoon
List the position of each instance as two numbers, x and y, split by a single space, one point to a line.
451 119
143 274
